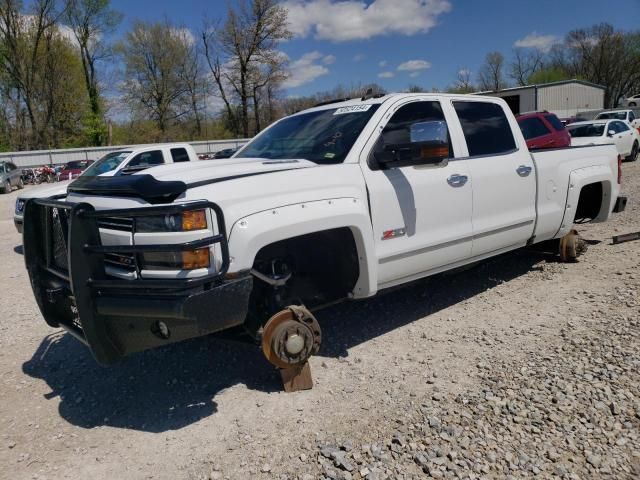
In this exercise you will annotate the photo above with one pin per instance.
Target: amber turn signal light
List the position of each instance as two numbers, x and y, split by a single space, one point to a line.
194 220
192 259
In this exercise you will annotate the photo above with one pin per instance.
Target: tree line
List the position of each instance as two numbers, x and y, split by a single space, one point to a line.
63 74
599 54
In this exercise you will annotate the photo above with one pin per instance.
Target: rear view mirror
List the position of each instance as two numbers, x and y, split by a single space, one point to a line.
429 145
611 133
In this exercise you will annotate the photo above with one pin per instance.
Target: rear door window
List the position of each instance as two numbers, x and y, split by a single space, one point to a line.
533 128
179 155
622 127
554 122
147 159
485 127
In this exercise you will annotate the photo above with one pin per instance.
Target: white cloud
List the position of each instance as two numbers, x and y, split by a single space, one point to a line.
306 69
535 40
464 72
359 57
346 20
329 59
414 74
386 75
382 63
414 65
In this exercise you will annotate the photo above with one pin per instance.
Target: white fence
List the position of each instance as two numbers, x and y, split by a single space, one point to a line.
36 158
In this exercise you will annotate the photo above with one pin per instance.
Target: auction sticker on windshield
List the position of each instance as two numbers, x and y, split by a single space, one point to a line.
352 109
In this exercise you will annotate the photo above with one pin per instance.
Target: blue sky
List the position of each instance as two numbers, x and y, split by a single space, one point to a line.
400 42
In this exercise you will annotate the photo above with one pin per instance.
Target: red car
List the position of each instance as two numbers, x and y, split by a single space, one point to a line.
73 169
543 130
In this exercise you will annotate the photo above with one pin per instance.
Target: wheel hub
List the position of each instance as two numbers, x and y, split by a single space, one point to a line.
290 337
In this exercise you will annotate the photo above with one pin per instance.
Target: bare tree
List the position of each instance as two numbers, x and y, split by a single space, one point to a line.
91 21
525 63
269 73
463 83
605 56
214 62
194 83
154 55
249 36
491 74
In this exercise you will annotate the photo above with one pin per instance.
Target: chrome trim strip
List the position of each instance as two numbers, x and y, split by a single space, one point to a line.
419 251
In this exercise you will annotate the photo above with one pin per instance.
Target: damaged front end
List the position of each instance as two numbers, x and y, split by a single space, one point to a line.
99 292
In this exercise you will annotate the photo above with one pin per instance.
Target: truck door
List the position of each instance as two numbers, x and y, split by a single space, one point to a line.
504 178
421 213
623 137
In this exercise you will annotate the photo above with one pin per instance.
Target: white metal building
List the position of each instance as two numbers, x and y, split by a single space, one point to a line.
565 98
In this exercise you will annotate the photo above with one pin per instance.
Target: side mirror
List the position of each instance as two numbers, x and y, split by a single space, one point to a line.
428 145
611 133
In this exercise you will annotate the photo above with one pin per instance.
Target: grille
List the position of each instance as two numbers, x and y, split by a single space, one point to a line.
59 235
116 223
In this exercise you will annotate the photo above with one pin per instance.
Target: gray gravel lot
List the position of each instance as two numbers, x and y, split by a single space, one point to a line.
520 367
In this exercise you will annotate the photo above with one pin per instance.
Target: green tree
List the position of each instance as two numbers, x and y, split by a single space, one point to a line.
491 73
153 55
91 21
547 75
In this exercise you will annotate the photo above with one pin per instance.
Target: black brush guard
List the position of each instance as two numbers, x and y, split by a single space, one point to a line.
115 317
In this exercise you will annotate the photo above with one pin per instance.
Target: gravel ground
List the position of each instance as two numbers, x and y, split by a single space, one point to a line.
520 367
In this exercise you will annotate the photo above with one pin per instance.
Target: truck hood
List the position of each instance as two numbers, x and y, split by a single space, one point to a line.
45 191
214 171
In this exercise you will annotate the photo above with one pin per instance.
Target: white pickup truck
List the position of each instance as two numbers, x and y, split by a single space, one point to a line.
336 202
121 162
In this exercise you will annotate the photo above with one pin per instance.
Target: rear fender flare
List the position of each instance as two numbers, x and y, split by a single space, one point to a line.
577 180
251 233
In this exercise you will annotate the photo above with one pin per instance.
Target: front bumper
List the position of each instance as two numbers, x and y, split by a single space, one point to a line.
115 317
620 205
18 223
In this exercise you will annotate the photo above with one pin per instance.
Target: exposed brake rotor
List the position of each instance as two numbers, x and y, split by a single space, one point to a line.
290 337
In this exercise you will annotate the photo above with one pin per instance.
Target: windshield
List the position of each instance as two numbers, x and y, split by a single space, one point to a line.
323 137
612 115
77 165
592 130
108 163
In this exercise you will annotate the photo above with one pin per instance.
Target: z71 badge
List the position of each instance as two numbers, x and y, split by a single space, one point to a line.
398 232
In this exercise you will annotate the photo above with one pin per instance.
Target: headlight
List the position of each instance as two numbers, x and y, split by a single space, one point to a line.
188 260
20 206
178 222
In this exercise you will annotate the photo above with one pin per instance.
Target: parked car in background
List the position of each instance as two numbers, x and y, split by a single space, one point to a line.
73 169
600 132
10 176
543 130
122 162
225 153
632 101
624 115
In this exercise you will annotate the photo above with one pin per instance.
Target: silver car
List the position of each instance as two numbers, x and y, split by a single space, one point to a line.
10 176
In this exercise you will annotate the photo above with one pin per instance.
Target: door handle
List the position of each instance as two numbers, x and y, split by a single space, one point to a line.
456 180
523 170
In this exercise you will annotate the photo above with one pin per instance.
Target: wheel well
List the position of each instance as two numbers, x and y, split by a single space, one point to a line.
323 268
589 203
